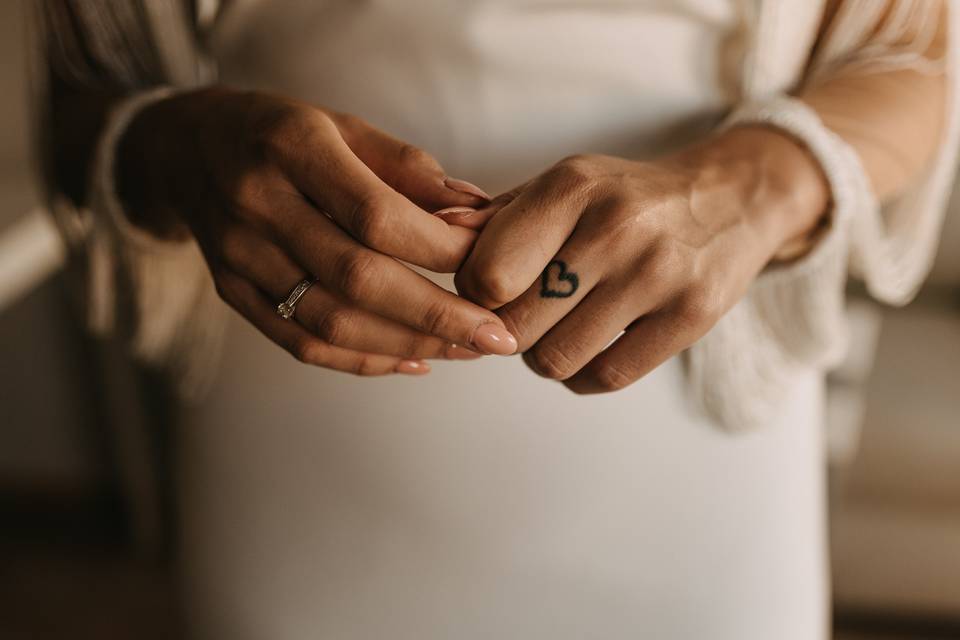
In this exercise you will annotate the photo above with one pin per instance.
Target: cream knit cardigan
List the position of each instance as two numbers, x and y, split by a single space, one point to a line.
792 319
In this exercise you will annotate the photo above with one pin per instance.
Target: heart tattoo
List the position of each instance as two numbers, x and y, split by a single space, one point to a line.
561 285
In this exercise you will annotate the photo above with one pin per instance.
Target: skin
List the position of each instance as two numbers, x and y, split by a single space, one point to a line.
661 249
276 190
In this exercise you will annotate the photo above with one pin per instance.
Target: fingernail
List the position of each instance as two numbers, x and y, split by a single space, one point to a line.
413 367
463 211
493 339
456 352
466 187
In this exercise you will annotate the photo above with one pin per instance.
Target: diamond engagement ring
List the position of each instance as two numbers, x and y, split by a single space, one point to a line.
287 308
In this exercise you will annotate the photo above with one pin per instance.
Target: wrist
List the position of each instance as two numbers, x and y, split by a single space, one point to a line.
771 179
148 150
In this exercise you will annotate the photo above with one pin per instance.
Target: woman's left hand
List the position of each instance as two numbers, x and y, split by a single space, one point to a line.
598 245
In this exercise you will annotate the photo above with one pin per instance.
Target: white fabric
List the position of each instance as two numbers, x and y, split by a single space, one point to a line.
792 319
169 279
483 501
892 247
465 528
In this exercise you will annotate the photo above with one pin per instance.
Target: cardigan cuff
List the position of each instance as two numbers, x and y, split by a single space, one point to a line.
103 187
178 318
792 319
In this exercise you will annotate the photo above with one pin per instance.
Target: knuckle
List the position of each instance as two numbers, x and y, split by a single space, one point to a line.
371 221
286 122
247 191
420 347
336 326
284 128
412 156
700 305
350 123
550 361
516 319
438 319
610 377
352 129
411 348
579 162
234 247
276 126
498 289
355 276
577 168
364 366
494 285
448 258
665 261
303 350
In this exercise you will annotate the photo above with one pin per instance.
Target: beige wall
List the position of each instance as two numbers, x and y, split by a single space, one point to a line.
16 191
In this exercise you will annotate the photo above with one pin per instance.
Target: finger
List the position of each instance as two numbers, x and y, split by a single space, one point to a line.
333 321
348 326
250 303
559 290
475 219
322 166
585 331
379 284
645 345
519 241
563 284
406 168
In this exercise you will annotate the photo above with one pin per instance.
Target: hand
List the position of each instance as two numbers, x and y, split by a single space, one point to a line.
598 245
275 191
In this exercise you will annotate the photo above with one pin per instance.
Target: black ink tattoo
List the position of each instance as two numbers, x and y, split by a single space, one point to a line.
561 285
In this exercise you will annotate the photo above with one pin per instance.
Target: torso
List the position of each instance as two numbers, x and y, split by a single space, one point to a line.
497 89
483 501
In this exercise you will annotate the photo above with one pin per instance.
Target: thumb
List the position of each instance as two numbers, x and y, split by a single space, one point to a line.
408 169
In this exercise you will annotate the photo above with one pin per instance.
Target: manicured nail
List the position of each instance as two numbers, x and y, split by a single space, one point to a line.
456 352
466 187
413 367
495 340
449 211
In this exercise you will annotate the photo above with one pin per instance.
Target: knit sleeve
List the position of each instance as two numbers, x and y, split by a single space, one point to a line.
176 316
792 319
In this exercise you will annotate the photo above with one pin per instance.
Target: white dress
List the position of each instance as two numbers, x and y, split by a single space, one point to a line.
482 501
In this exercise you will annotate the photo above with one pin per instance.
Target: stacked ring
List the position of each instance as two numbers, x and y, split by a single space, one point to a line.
288 307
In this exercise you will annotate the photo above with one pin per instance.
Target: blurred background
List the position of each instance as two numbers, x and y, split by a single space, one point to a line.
86 518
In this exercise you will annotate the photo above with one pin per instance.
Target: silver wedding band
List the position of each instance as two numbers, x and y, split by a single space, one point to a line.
288 307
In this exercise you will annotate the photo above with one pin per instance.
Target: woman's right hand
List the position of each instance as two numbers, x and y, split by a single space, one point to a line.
275 191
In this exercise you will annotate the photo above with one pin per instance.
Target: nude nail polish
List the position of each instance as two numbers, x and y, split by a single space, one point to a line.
456 352
494 340
466 187
449 211
413 367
